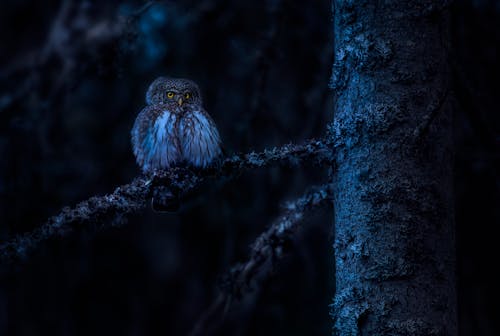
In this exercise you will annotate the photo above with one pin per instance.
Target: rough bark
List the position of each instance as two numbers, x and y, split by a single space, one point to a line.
394 227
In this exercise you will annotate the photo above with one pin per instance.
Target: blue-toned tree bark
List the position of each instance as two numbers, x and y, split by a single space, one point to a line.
394 245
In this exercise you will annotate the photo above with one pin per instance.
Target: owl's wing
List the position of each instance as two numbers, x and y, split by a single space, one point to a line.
154 141
200 140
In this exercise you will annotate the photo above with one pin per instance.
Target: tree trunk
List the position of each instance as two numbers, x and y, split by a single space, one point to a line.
394 225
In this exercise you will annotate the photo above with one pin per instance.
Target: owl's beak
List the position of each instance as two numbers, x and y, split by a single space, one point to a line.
180 101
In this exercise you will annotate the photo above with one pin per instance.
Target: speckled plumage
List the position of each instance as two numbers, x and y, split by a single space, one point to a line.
174 128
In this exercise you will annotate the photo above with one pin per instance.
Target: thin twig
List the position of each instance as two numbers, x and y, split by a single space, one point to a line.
424 126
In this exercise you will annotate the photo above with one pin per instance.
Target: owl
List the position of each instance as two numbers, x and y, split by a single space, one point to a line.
174 128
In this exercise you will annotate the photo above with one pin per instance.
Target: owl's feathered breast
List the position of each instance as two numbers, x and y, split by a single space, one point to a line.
163 136
154 138
199 137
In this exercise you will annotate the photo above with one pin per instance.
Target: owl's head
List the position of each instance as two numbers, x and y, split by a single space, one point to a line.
165 90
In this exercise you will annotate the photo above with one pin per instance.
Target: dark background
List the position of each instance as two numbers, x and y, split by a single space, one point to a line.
73 77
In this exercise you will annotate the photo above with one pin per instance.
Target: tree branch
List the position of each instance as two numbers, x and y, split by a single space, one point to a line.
171 185
243 279
73 35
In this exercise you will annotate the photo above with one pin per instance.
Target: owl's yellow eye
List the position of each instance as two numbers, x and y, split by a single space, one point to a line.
187 95
170 95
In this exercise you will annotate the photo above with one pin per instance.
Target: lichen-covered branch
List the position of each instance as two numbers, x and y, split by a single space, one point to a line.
169 186
244 279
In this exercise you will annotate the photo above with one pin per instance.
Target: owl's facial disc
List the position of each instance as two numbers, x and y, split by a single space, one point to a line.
179 97
165 90
186 97
174 95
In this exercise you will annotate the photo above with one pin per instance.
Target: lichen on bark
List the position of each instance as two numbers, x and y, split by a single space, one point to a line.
394 244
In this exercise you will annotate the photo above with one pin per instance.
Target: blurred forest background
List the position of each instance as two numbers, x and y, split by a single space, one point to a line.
73 76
